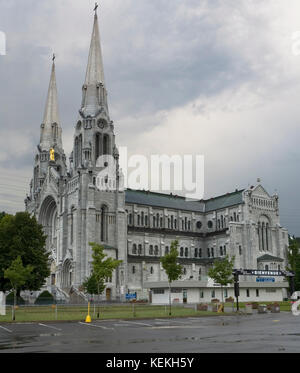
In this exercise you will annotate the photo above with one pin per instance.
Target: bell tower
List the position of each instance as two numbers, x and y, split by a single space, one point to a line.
50 149
94 132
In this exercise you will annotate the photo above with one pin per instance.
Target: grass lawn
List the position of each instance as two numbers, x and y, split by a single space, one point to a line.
73 313
127 311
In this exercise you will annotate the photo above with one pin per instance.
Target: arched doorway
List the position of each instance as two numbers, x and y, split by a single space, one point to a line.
108 294
67 275
48 219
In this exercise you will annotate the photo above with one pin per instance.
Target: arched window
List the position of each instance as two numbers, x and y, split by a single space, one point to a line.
104 217
80 151
156 252
151 250
221 250
138 220
97 146
186 252
196 253
151 270
105 144
146 220
134 250
208 252
142 218
167 250
140 249
181 251
76 159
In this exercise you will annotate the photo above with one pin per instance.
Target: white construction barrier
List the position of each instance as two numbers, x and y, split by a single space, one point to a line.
2 304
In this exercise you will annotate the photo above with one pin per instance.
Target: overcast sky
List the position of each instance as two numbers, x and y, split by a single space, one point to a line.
218 78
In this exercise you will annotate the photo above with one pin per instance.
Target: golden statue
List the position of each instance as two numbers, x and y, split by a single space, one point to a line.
52 158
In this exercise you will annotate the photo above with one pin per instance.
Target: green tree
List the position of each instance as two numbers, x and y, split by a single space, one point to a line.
2 214
221 273
293 259
171 267
17 275
90 285
101 270
21 235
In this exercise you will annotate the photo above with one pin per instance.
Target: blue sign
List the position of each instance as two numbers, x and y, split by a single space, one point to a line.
131 296
265 279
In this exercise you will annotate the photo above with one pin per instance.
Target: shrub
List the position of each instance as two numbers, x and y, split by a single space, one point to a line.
10 300
44 298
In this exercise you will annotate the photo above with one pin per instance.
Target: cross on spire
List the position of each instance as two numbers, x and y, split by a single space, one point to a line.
96 7
53 57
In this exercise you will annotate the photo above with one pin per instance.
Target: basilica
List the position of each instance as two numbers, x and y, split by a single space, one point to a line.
138 226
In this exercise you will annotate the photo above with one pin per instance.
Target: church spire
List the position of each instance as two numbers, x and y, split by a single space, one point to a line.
51 129
94 92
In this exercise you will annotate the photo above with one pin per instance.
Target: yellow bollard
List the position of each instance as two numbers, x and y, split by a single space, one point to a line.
88 318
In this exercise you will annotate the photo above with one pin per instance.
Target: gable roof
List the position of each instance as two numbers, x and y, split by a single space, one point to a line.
226 200
268 257
148 198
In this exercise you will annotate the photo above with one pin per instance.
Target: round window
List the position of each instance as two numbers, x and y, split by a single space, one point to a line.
199 224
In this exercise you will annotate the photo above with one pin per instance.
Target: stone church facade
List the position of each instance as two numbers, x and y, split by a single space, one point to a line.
138 227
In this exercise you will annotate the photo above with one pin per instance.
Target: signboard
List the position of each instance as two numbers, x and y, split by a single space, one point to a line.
130 296
258 272
265 279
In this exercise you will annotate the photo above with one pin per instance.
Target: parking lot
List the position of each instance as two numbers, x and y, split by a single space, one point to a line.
252 333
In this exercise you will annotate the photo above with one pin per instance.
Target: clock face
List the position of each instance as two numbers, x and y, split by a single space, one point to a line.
101 123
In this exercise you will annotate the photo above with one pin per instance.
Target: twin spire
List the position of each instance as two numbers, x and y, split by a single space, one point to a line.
51 129
94 93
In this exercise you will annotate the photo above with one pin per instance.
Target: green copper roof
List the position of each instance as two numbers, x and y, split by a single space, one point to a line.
147 198
268 257
140 197
226 200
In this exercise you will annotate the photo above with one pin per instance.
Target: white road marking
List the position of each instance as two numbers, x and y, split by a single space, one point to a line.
177 327
122 324
136 323
180 322
49 326
2 327
96 326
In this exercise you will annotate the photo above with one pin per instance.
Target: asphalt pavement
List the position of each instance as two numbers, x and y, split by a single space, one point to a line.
257 333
